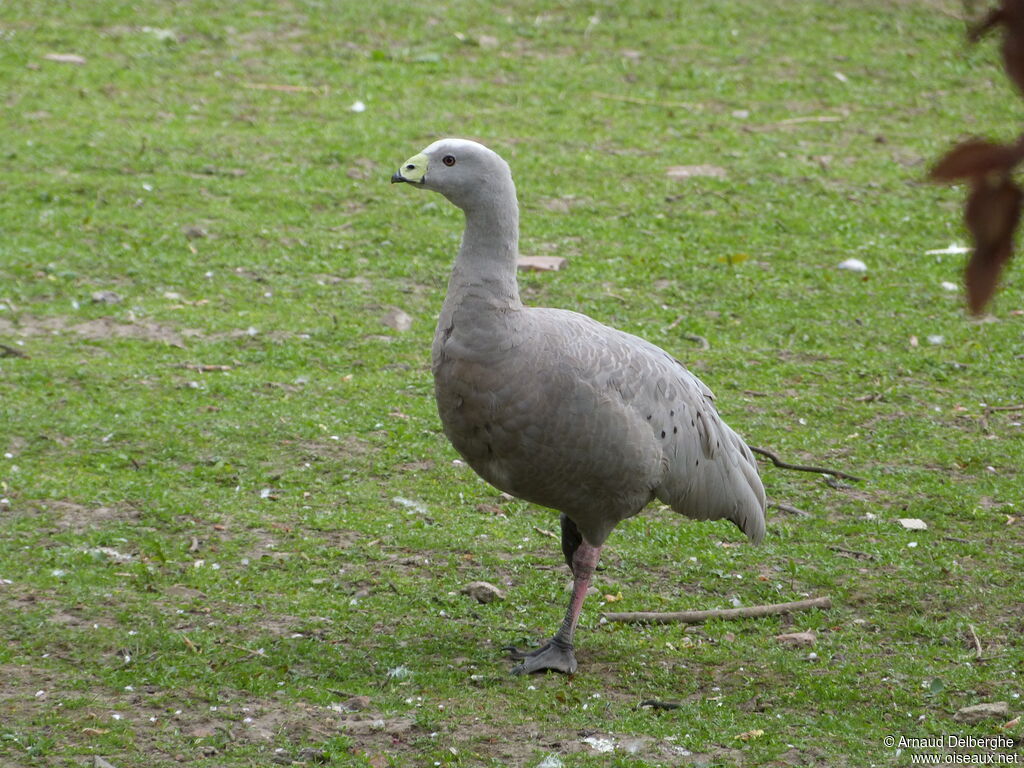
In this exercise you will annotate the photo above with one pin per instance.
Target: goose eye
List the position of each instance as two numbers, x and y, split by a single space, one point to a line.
448 160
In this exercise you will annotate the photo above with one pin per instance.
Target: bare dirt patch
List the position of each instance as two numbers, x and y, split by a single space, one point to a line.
152 714
73 517
99 329
344 447
104 328
525 745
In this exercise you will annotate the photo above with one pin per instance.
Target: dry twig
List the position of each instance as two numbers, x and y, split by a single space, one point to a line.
249 651
6 351
802 468
655 704
977 642
852 552
700 340
788 508
699 617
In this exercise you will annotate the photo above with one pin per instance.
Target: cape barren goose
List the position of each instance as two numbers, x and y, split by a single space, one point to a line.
558 409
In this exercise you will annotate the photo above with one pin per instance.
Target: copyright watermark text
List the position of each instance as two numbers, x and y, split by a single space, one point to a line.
936 750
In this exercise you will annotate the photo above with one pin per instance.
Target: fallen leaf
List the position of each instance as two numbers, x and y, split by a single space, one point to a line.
992 214
1009 15
974 159
748 735
733 258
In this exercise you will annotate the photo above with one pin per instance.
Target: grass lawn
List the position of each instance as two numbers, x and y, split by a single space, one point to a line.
231 531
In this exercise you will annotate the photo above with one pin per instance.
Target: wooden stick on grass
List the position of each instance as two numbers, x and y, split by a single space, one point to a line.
977 642
801 467
788 508
699 617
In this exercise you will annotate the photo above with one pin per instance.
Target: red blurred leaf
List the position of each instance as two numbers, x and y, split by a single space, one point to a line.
992 214
1010 16
1013 53
992 19
976 158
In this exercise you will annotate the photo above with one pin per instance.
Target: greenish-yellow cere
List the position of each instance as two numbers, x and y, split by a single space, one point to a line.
415 168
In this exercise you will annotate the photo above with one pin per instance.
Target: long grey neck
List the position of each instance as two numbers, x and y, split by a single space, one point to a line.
485 269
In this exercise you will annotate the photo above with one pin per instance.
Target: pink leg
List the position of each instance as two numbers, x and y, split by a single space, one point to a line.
558 654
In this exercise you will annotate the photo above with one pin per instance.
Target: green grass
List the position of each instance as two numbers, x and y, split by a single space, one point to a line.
176 540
